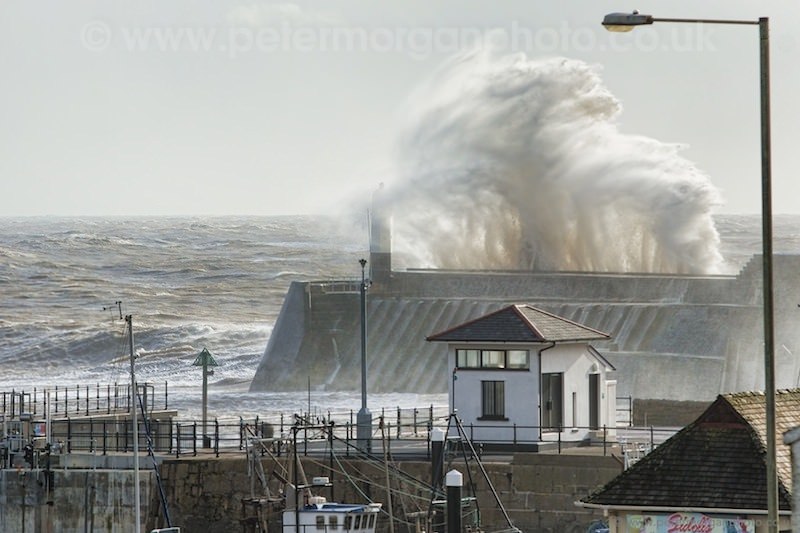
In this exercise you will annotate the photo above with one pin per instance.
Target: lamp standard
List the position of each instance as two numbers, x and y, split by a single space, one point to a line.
626 22
364 417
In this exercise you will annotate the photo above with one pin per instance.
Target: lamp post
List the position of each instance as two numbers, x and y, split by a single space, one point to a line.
364 417
626 22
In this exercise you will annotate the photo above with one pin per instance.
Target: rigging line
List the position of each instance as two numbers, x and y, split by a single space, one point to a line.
150 452
463 435
374 460
350 478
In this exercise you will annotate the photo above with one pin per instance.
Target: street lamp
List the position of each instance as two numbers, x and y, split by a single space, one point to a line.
364 417
626 22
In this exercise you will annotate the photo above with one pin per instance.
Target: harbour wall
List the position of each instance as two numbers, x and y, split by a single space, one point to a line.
672 337
71 501
210 494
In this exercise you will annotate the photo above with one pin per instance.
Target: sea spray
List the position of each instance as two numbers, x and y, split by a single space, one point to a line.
508 162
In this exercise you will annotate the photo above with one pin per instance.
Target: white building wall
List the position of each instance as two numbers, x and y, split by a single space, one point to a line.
792 438
577 363
521 400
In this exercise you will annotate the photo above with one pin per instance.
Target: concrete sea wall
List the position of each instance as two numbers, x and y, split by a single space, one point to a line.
673 337
71 501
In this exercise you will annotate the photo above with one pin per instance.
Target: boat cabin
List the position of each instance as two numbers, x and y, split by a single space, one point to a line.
320 516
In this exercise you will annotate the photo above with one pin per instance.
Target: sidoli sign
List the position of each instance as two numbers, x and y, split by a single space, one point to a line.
688 523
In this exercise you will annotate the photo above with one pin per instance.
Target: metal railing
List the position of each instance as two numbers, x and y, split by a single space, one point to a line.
180 438
80 400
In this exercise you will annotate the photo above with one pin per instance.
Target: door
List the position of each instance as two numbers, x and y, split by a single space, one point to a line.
553 401
594 401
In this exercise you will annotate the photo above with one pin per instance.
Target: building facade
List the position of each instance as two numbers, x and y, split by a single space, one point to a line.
524 376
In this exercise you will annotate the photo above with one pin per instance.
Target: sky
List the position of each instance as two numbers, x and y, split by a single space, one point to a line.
268 108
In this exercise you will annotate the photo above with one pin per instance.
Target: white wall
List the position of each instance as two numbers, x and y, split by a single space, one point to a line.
521 398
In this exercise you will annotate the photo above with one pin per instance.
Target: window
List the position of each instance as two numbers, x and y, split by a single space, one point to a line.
372 520
493 359
320 521
348 520
499 359
333 521
357 523
517 359
468 358
493 400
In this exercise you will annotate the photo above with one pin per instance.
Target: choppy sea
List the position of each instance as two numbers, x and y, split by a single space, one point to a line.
192 283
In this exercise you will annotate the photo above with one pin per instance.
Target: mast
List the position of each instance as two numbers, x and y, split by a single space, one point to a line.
135 422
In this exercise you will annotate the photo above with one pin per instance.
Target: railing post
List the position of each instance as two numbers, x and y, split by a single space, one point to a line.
177 440
652 444
216 437
194 439
605 438
347 435
399 422
515 434
559 440
69 435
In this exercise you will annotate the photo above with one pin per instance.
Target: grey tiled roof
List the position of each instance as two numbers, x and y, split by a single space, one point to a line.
717 461
519 323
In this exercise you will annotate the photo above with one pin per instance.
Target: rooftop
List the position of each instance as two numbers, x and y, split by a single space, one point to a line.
717 461
519 323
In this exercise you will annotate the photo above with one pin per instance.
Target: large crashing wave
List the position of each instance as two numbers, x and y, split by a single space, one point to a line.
515 163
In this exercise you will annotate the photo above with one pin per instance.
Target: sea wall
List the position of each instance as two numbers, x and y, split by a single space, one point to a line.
71 501
673 337
537 490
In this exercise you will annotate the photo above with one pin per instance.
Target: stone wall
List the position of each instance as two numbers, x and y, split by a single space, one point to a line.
538 491
206 495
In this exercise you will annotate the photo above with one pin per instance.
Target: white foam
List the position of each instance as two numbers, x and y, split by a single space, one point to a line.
509 162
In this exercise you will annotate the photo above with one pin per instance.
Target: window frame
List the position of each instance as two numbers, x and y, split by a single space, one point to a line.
487 359
495 392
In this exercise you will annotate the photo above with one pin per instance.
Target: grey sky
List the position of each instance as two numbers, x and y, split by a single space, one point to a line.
236 107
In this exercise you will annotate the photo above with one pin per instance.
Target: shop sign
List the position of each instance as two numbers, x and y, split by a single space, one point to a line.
688 523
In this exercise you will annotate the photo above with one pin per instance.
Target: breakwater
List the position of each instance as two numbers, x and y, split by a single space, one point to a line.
672 336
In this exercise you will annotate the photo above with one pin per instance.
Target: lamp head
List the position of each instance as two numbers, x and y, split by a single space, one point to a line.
622 22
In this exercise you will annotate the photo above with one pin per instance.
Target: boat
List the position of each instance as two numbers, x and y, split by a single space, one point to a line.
302 511
320 515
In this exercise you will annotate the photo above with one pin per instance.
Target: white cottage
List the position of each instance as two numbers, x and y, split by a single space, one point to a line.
523 375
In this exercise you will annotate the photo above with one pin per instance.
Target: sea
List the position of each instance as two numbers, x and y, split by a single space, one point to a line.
190 283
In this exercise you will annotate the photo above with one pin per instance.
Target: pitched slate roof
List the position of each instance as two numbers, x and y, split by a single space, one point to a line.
717 461
519 323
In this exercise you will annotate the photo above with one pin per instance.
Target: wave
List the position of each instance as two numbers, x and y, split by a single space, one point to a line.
509 162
